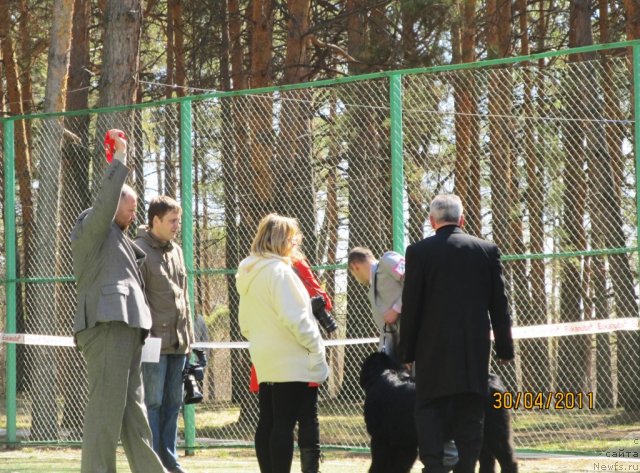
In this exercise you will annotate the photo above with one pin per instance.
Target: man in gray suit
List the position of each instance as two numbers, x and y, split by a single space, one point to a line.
111 323
385 279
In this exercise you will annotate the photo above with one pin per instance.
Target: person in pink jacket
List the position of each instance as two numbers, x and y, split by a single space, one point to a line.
284 339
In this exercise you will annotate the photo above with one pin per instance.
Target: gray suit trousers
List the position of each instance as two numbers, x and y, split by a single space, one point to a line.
116 408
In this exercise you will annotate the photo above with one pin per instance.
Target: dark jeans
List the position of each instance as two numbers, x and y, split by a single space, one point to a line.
460 417
281 406
163 398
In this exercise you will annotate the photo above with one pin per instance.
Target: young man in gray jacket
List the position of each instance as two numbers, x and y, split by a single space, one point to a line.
165 281
385 280
112 320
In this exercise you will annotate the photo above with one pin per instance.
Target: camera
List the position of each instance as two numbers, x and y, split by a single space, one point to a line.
318 307
191 375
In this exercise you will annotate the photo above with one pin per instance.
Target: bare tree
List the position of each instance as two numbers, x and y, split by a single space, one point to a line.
294 158
467 183
22 151
43 316
625 297
120 64
535 352
573 354
74 190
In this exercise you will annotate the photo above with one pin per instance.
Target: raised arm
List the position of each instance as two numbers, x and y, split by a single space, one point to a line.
93 226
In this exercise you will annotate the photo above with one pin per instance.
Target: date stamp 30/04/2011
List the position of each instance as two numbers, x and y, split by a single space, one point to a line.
530 400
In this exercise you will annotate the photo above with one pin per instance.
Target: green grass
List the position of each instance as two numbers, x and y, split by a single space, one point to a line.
67 460
31 460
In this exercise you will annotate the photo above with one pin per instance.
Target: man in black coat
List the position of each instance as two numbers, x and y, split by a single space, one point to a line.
453 296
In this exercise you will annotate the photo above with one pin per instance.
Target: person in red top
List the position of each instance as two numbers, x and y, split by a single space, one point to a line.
308 424
302 268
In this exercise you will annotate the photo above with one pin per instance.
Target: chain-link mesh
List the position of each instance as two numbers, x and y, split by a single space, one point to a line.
543 160
542 156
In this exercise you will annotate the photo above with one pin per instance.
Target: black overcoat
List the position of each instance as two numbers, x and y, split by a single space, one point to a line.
453 296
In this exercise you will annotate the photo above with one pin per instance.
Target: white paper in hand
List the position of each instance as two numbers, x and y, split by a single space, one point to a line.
151 350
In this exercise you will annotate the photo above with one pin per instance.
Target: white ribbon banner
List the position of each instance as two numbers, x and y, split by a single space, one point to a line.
587 327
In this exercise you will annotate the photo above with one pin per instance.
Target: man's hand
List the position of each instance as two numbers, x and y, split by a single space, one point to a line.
391 316
119 142
502 361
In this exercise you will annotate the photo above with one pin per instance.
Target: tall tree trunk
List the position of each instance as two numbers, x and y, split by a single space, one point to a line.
294 164
500 108
335 354
169 118
22 152
414 143
44 424
120 68
22 157
237 244
621 274
369 170
632 9
26 63
228 181
472 121
358 311
467 181
135 160
257 174
601 191
74 198
535 352
504 204
409 14
232 48
178 47
573 352
521 306
236 50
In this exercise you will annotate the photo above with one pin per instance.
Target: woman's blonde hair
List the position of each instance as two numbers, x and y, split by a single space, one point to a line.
274 235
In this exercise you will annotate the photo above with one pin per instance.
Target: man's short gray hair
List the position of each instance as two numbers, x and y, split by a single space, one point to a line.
446 208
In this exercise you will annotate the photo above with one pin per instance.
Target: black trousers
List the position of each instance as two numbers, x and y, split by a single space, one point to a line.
459 417
281 405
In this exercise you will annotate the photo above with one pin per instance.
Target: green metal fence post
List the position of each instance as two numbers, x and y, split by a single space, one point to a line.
186 186
397 170
10 249
636 133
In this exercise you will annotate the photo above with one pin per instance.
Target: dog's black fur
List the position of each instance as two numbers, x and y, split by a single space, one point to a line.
390 395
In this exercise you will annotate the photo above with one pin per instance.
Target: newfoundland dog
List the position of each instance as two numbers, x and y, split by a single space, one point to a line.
390 395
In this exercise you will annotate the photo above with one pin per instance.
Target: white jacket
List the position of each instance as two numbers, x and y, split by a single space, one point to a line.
275 316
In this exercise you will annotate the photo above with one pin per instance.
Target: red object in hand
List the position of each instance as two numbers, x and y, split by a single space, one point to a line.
254 387
110 145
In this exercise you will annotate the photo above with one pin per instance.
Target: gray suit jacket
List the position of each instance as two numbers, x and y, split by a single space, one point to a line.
106 263
385 292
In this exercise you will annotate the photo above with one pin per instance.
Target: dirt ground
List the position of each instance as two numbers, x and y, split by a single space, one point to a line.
67 460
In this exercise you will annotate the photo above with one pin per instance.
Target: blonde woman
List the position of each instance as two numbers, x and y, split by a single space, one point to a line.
284 339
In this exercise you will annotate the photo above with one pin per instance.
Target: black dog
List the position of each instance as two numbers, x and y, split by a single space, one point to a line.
390 395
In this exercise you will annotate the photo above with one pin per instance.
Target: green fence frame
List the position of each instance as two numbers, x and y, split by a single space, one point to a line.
397 178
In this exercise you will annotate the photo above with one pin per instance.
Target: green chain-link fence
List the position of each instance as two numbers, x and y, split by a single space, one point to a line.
541 150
